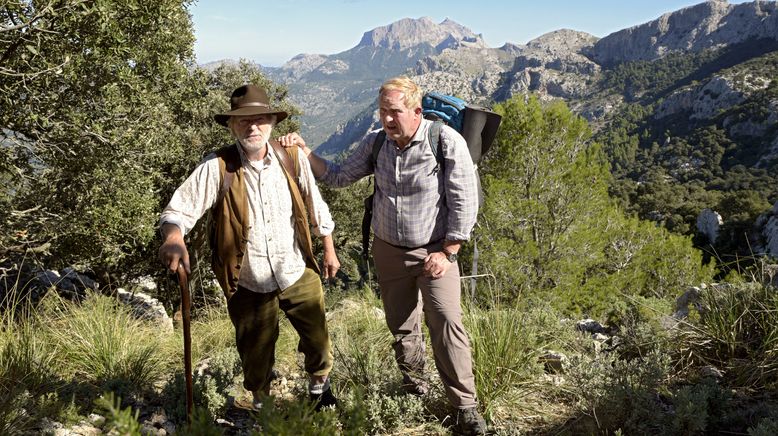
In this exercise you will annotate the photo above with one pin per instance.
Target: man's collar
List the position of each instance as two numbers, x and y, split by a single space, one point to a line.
421 131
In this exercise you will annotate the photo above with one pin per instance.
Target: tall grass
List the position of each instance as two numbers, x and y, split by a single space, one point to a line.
26 362
212 331
101 345
506 343
736 331
362 348
28 383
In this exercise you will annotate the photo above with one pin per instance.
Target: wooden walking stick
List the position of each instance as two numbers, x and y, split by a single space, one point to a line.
183 282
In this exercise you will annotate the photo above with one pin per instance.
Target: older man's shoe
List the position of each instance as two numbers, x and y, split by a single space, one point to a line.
322 395
469 422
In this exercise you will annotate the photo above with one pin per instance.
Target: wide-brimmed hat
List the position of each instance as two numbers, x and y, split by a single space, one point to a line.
249 100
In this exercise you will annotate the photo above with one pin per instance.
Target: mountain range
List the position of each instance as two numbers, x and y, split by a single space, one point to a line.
337 92
685 106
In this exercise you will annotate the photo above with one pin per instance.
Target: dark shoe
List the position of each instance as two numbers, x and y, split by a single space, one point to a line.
325 399
469 422
321 394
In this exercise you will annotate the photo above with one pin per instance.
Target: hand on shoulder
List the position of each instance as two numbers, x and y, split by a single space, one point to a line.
294 139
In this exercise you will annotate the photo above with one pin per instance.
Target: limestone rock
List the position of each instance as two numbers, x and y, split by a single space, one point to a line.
147 308
589 326
69 283
708 223
553 362
770 233
689 298
408 32
711 24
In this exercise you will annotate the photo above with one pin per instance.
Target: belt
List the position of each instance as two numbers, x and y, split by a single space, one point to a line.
403 247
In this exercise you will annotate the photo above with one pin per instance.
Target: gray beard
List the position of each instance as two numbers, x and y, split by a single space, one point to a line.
251 148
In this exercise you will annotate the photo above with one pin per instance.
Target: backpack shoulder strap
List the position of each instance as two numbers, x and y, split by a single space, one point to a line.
367 217
378 142
433 136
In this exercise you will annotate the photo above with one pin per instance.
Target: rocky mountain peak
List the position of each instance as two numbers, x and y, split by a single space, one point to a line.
562 41
410 32
711 24
303 64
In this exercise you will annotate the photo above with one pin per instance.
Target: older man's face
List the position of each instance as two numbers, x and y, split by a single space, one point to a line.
253 131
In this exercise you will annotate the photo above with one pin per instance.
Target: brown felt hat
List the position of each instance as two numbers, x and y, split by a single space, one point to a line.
249 100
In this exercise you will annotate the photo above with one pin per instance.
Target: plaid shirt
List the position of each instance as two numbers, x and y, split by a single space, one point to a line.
415 204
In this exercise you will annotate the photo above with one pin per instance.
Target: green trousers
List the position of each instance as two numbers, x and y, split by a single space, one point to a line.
255 317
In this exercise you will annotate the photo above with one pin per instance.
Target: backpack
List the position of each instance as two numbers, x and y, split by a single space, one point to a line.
477 124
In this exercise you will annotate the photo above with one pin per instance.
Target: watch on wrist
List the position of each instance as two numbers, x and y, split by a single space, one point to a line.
451 257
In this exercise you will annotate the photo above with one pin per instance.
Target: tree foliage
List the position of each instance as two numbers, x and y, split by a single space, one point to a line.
103 113
668 169
551 232
86 105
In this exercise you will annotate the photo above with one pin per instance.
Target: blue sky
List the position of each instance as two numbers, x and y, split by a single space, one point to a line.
270 33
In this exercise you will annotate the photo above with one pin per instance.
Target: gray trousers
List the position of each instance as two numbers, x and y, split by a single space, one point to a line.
407 294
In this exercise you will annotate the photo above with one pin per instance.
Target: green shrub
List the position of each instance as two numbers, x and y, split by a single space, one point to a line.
618 393
212 381
638 324
700 408
118 420
296 418
766 427
379 412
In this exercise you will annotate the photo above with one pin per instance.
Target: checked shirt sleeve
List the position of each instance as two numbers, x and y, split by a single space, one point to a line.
461 186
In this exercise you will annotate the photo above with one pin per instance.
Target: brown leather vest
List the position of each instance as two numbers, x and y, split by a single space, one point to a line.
229 227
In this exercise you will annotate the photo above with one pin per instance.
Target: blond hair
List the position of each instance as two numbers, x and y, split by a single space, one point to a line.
411 91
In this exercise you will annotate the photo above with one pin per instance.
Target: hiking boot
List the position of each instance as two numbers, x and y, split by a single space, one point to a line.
258 398
469 422
322 395
417 389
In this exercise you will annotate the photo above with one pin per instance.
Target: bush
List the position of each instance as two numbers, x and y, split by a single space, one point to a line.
700 408
119 421
212 381
735 330
379 412
618 393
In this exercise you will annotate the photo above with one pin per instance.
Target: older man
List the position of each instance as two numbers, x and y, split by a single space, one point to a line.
258 194
422 212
